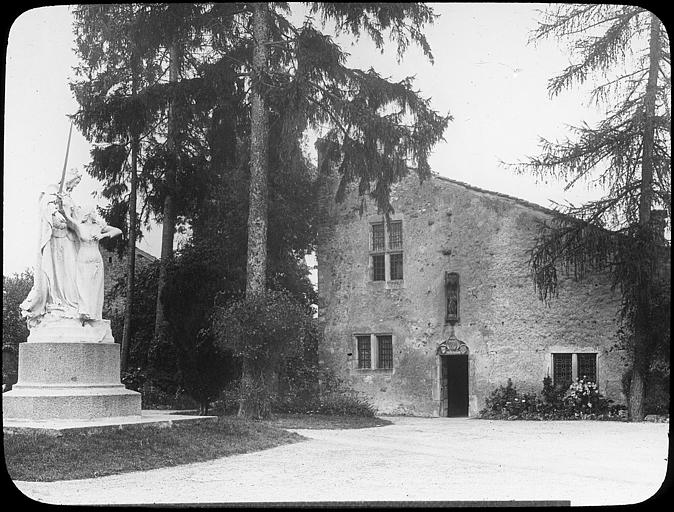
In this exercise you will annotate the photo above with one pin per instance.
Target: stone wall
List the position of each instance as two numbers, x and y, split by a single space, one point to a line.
510 333
114 268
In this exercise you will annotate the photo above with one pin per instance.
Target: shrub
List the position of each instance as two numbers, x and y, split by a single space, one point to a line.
336 398
506 402
262 332
581 400
15 289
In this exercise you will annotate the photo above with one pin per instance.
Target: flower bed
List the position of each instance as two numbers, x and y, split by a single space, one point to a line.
581 400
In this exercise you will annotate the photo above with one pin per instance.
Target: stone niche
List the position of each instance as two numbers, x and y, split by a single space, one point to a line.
69 371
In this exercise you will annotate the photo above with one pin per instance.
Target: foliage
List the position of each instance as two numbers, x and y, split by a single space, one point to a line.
552 395
581 400
15 289
506 402
381 128
204 368
334 398
262 332
143 309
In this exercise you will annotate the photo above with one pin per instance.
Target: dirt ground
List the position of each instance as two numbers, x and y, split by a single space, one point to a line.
415 459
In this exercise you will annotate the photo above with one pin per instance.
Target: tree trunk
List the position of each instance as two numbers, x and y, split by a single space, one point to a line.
169 221
131 254
131 249
640 354
257 209
256 274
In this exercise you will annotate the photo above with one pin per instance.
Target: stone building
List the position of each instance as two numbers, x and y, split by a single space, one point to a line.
114 268
427 314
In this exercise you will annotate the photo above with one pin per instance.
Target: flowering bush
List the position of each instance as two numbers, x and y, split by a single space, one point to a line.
581 400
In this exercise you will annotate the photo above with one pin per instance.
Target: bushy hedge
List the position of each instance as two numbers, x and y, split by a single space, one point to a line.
581 400
335 397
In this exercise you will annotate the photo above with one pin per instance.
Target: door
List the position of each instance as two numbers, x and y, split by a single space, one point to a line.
455 381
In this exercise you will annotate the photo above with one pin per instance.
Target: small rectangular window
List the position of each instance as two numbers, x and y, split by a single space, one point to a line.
587 367
395 236
562 371
378 237
396 266
378 267
364 352
385 349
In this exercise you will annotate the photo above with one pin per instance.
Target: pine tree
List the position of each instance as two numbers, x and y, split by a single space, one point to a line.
111 48
127 106
627 154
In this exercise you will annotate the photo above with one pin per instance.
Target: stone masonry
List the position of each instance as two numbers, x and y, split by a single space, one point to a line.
483 236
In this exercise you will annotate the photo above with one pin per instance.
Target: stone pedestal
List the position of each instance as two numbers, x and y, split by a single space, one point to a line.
69 371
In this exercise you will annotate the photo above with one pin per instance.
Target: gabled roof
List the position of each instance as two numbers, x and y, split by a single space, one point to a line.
147 255
523 202
139 252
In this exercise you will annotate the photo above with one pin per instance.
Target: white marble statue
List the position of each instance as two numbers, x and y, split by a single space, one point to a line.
69 269
90 228
54 286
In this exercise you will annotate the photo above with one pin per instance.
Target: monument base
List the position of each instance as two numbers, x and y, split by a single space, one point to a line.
148 419
69 402
69 378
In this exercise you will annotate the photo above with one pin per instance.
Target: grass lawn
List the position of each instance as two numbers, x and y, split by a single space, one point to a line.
44 458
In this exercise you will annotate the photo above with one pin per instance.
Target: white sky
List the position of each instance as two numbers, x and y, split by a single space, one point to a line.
485 75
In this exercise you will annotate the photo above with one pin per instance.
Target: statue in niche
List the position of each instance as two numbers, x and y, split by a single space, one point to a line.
452 297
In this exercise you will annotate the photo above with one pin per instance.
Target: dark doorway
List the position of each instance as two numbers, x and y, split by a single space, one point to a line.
454 385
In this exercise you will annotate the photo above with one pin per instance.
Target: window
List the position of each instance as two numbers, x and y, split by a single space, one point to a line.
378 237
364 353
386 245
378 267
375 351
569 367
587 367
562 370
396 266
395 240
385 351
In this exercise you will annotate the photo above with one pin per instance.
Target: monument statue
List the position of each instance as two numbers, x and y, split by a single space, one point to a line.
69 270
69 368
89 263
54 286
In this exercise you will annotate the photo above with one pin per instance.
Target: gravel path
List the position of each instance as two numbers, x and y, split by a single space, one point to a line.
415 459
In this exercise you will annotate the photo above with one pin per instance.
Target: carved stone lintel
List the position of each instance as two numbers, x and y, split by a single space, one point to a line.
452 345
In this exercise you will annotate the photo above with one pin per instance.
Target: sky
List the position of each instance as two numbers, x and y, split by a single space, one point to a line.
485 75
